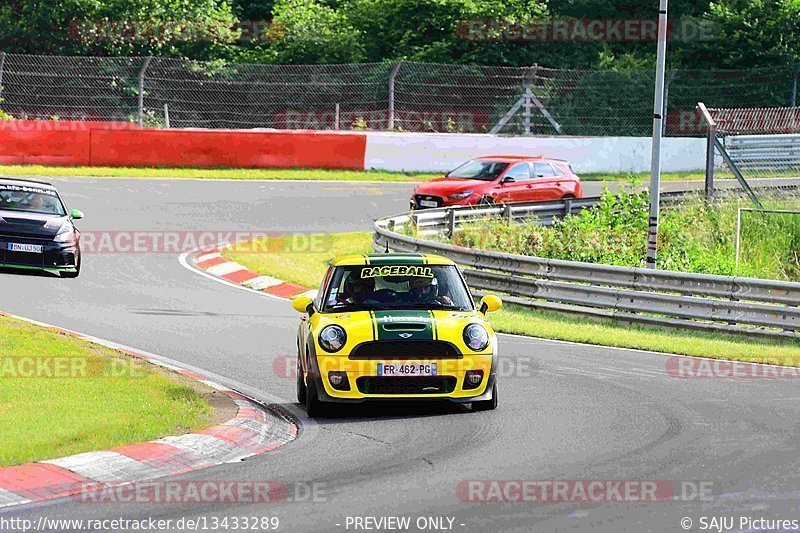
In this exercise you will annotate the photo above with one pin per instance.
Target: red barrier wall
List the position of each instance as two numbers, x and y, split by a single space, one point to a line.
126 145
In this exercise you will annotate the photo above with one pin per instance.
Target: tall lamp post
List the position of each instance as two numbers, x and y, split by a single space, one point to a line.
658 118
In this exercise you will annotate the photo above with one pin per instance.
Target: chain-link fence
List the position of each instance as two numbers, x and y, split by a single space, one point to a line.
403 96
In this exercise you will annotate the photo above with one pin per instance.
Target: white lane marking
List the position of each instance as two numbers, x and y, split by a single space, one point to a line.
571 370
260 283
184 262
223 269
206 257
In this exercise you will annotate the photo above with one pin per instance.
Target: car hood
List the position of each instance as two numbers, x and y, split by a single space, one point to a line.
30 224
444 186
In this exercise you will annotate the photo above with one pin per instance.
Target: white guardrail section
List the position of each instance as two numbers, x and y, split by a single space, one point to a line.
765 152
698 301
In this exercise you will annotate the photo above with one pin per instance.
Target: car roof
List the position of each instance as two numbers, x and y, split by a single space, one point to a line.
15 181
518 158
390 259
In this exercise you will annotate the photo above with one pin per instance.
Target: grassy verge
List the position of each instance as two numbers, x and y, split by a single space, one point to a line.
61 396
220 173
282 259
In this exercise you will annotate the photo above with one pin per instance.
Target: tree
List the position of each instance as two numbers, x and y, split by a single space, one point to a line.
307 31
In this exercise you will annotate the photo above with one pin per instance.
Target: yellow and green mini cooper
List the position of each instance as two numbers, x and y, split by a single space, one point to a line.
395 327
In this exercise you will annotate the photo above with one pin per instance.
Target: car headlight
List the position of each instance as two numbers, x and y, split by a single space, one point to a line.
476 337
332 338
65 234
459 195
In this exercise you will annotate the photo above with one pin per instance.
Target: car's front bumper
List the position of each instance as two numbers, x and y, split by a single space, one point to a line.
55 257
446 369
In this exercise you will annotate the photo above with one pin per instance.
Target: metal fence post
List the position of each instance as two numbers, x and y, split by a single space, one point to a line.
140 114
711 144
336 127
2 66
166 114
507 213
451 223
392 78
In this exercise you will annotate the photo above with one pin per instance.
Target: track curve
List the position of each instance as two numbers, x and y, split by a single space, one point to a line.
567 411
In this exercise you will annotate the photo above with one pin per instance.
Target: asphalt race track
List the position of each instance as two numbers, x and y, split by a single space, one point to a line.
567 411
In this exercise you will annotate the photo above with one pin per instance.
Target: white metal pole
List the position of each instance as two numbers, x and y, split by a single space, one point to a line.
658 110
166 115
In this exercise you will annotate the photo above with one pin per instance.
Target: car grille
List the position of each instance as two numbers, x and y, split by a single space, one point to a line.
406 385
405 350
439 201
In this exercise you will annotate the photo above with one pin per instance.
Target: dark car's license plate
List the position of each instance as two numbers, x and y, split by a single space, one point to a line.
29 248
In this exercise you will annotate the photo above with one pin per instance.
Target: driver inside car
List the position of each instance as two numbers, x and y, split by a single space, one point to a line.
426 290
357 290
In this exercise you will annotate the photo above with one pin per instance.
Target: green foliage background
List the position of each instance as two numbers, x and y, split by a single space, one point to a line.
748 33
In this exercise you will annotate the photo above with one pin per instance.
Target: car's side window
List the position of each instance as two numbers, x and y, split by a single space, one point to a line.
520 172
544 170
323 289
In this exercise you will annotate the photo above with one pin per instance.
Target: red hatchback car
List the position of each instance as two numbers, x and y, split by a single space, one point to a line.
500 179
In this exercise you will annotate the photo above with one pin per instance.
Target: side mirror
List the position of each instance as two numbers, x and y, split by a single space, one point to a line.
76 215
508 179
303 304
490 303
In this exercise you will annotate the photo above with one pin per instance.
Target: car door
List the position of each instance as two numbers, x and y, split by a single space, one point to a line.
545 182
514 185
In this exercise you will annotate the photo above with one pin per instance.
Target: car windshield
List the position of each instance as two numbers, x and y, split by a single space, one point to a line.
369 288
479 169
30 199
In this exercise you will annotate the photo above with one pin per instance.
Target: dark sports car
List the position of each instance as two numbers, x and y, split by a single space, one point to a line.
36 230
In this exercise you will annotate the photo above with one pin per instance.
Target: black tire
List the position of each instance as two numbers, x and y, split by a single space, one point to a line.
487 405
73 275
302 390
314 407
487 200
568 197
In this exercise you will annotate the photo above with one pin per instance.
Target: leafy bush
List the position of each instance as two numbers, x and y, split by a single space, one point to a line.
695 237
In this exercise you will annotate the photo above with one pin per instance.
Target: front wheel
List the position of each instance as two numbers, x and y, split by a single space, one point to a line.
314 407
487 201
487 405
302 390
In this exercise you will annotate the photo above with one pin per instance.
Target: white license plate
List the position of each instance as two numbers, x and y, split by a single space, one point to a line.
407 369
428 203
30 248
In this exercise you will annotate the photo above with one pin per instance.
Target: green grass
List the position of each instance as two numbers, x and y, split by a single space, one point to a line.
220 173
110 400
548 325
290 262
301 260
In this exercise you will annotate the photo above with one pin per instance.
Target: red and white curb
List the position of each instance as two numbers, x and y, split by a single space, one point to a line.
253 431
214 263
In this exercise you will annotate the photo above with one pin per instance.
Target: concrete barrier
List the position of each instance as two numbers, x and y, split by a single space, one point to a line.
122 144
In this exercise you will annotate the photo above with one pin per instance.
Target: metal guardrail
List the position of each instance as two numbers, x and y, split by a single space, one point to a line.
765 152
678 299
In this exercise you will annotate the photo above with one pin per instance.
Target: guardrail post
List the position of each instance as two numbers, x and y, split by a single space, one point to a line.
140 114
567 207
451 223
507 214
392 78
